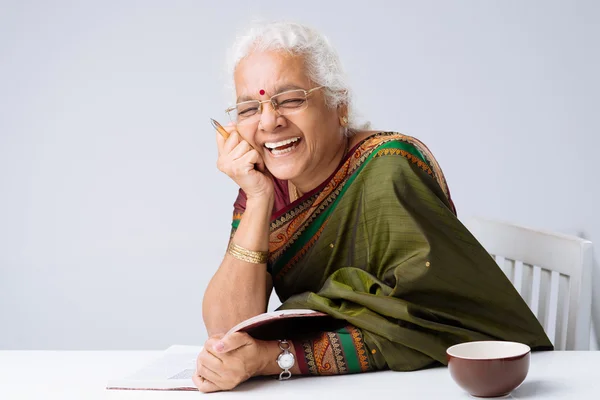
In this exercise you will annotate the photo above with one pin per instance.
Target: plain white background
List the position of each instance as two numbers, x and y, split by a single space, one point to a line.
113 216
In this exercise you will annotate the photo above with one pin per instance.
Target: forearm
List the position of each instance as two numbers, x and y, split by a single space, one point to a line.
238 290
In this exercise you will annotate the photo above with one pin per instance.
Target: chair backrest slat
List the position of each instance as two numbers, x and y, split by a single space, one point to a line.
550 326
563 312
535 291
551 271
518 277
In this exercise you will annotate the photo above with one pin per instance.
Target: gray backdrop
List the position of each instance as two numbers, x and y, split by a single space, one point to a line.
113 216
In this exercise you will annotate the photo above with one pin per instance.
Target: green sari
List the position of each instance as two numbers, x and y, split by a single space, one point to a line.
379 246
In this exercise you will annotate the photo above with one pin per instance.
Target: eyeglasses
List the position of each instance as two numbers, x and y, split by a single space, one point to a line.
284 103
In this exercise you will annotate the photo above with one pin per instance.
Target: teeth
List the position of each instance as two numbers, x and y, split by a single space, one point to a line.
282 143
278 152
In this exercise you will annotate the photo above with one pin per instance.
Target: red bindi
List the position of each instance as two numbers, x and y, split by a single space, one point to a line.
262 91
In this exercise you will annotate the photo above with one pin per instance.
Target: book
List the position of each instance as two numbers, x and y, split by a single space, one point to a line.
173 370
286 324
176 366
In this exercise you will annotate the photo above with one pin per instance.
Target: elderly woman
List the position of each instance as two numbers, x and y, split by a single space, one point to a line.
357 224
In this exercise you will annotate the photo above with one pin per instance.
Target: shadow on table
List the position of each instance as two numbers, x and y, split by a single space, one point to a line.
254 383
535 388
260 382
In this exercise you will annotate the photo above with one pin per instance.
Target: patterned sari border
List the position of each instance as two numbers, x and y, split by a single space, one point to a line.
361 350
415 160
333 353
301 253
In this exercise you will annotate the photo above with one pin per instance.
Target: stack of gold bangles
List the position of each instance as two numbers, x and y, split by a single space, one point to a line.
254 257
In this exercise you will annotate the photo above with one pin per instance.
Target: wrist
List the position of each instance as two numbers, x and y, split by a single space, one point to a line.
271 351
265 200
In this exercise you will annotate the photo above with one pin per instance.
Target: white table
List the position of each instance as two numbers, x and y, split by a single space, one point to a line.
83 375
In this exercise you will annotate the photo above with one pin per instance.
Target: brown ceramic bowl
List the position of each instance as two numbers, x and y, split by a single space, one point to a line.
489 368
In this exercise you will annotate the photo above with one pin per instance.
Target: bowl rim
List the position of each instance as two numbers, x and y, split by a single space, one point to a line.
526 350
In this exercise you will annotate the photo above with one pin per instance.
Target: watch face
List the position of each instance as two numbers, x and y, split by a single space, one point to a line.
285 360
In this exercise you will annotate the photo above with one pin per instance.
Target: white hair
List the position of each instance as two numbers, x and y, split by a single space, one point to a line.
322 62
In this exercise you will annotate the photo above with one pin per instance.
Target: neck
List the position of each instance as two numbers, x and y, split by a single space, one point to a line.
311 179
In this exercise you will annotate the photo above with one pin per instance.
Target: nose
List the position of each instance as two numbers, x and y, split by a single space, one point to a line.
269 118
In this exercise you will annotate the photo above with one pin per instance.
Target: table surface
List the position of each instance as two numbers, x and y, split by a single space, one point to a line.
84 374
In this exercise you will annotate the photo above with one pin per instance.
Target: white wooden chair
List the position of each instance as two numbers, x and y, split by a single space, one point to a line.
551 271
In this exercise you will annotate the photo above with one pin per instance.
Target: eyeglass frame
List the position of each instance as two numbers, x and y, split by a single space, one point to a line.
274 105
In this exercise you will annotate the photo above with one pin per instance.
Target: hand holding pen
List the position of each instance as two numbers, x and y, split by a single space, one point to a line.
242 163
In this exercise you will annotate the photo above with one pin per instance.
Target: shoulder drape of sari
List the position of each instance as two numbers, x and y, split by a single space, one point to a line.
379 246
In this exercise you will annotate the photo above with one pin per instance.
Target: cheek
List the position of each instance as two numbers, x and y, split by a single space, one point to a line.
320 125
312 129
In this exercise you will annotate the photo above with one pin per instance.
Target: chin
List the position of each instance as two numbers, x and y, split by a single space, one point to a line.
283 172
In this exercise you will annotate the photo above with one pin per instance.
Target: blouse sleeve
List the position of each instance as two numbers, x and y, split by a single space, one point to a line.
333 353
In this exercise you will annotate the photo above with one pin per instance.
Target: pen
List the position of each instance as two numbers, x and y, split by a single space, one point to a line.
219 129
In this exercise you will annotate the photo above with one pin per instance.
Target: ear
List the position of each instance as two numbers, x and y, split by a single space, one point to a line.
343 114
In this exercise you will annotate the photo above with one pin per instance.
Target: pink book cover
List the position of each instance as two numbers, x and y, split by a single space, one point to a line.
286 324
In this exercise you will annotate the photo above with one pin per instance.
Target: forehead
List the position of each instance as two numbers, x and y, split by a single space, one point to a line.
271 71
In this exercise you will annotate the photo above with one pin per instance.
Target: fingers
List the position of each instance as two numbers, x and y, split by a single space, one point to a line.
207 373
230 127
242 148
206 378
260 165
242 166
220 143
208 355
243 163
224 146
250 159
211 361
227 370
233 342
232 142
231 149
226 131
204 385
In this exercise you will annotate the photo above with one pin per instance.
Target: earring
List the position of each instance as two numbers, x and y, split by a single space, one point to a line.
344 120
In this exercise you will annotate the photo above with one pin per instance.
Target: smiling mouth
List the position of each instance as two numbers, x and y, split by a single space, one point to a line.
282 147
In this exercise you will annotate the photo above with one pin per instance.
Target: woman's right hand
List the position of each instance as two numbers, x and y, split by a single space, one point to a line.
242 163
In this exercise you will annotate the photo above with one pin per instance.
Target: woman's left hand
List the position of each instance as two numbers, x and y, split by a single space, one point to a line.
227 361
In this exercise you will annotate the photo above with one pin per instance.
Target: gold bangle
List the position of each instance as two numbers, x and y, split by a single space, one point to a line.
254 257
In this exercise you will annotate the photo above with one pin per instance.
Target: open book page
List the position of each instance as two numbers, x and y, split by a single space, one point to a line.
173 370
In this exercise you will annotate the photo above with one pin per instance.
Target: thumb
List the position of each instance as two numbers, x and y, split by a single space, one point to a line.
233 342
261 167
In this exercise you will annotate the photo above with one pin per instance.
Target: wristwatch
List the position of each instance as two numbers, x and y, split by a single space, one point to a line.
285 360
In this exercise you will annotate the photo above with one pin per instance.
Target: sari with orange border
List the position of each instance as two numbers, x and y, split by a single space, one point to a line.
379 247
